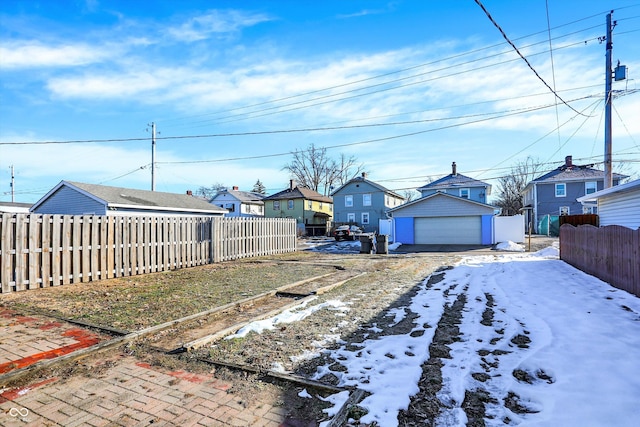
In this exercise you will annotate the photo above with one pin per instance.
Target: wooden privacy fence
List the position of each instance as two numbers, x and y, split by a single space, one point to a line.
610 253
48 250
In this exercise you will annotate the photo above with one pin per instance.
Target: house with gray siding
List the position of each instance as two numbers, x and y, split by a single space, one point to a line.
240 203
459 185
76 198
444 219
619 205
557 192
363 202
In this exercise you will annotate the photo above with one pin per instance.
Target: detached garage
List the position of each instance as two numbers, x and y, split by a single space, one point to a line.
443 219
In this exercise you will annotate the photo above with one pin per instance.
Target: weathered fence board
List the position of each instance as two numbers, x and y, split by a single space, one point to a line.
610 253
52 250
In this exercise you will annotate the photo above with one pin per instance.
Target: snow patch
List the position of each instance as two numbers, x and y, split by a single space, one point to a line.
509 246
288 316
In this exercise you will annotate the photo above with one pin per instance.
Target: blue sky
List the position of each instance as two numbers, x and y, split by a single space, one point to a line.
407 87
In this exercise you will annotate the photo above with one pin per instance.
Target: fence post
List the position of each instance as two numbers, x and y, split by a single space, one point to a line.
6 246
51 250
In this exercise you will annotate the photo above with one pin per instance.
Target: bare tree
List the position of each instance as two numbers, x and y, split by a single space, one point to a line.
409 195
624 168
510 186
344 170
209 192
313 169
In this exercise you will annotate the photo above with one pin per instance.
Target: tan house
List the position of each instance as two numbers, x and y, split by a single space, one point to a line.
312 211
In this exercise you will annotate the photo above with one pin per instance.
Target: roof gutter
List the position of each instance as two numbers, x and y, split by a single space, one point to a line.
116 206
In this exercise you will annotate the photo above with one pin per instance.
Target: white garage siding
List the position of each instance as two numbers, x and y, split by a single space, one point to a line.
620 209
459 230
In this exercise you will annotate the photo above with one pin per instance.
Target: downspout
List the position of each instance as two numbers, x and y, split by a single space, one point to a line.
535 206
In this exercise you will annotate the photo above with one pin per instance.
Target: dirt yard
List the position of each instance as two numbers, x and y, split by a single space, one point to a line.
388 282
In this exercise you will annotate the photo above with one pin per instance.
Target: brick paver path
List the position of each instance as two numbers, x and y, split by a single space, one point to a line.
25 340
131 393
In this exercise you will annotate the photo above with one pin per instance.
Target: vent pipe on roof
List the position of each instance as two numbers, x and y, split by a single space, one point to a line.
454 171
235 187
189 193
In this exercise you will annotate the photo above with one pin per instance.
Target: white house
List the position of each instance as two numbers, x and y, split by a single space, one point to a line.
240 203
14 207
619 205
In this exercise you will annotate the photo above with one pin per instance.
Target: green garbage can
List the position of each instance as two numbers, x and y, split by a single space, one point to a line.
382 244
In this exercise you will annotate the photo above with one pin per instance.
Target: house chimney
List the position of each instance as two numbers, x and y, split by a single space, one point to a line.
235 187
189 193
454 171
364 175
568 161
292 184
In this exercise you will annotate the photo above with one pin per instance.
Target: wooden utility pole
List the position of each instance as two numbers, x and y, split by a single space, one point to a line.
608 174
153 156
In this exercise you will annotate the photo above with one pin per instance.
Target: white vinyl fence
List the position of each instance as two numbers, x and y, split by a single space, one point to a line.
508 229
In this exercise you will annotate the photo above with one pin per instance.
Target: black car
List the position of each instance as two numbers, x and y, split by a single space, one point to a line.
347 232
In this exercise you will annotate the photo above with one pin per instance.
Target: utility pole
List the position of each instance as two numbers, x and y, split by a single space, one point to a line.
608 174
13 185
153 156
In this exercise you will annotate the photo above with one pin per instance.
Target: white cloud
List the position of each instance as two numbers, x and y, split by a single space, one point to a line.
37 55
113 86
215 22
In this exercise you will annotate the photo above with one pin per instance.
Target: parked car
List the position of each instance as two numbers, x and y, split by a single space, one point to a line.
347 232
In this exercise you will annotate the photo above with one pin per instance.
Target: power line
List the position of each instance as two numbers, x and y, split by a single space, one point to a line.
397 71
331 128
625 127
553 166
360 142
278 109
539 139
522 56
553 70
596 105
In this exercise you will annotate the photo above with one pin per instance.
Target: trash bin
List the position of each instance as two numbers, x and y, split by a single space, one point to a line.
382 244
366 244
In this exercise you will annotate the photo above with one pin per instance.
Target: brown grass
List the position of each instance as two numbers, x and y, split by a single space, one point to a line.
137 302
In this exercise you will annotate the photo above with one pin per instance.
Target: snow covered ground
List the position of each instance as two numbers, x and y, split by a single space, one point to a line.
562 345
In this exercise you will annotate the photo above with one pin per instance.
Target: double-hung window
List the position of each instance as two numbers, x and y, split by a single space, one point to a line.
366 199
561 190
348 201
290 204
590 187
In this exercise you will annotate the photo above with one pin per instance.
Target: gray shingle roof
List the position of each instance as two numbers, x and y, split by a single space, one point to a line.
244 196
574 173
451 180
374 184
299 193
118 196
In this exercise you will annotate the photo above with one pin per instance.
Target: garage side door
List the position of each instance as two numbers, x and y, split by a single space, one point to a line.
458 230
